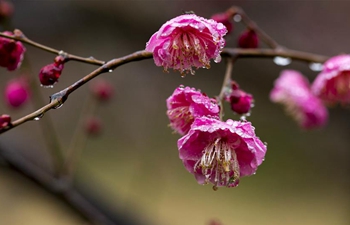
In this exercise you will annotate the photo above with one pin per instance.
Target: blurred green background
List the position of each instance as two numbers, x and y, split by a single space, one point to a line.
134 166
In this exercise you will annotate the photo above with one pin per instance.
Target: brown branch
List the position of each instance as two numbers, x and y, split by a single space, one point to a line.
19 36
78 199
59 98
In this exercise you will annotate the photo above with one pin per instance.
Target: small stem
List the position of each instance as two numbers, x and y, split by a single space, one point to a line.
225 83
253 26
19 36
78 140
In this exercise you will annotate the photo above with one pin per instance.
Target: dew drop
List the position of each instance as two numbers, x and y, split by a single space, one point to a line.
316 67
265 143
60 97
92 58
237 18
217 59
38 117
46 86
244 118
110 71
182 86
282 61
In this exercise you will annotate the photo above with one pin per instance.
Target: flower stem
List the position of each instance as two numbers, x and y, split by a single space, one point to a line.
225 84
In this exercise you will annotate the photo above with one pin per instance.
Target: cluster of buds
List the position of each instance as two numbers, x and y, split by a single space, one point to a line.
50 73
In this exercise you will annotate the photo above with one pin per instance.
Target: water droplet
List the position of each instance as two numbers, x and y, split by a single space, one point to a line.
265 143
254 173
244 118
316 67
282 61
39 117
182 86
60 97
110 71
92 58
217 59
237 18
46 86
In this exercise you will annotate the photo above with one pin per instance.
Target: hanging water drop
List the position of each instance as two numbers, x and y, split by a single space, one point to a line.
316 67
39 117
243 117
110 70
46 86
282 61
59 97
217 59
237 18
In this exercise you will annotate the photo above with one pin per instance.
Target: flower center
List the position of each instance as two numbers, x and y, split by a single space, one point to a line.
188 49
219 164
181 118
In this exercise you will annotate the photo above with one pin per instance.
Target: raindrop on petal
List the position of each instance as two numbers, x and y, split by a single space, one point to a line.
282 61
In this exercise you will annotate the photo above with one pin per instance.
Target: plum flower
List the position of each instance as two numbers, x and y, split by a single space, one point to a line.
293 90
221 152
185 104
187 41
332 85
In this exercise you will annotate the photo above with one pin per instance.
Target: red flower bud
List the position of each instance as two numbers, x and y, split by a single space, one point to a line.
11 52
102 89
16 92
49 74
5 120
93 126
248 39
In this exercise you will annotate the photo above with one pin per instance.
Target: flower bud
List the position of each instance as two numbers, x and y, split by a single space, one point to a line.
102 90
225 19
5 120
248 39
16 92
240 101
93 126
11 52
6 9
50 73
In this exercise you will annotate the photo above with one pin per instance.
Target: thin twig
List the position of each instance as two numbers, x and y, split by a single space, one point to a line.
19 36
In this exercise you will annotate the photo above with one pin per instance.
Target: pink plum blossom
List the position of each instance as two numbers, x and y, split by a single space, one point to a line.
221 152
187 41
293 90
17 92
11 52
185 104
332 85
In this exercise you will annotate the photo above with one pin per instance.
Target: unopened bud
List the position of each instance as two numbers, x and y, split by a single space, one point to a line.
17 92
248 39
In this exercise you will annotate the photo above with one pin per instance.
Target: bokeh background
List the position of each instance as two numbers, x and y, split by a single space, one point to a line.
133 166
